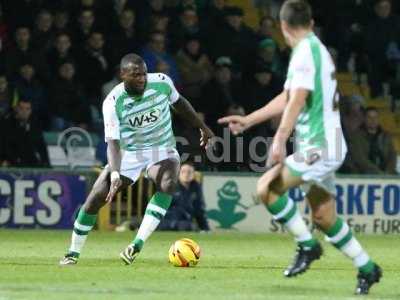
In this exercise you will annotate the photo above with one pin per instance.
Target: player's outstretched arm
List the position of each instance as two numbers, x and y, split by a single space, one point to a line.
114 163
293 109
238 124
185 110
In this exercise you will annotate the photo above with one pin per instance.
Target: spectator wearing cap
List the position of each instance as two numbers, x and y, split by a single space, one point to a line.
233 38
268 54
371 148
194 67
22 144
219 93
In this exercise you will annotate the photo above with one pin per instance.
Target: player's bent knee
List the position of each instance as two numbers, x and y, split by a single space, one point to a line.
262 190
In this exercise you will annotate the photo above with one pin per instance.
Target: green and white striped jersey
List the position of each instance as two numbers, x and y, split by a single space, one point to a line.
318 125
141 122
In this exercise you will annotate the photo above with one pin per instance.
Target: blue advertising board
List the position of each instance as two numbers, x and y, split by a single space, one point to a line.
31 200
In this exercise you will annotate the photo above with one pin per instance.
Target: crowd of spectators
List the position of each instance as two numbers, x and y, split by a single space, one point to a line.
62 58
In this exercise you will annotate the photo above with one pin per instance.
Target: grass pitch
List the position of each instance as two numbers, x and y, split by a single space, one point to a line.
232 266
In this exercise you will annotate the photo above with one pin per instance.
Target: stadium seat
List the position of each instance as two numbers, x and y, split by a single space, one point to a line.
82 153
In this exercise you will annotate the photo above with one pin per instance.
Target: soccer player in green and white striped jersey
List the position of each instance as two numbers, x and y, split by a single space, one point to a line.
307 104
139 136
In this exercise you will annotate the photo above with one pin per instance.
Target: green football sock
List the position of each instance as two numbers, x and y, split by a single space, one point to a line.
155 211
83 224
284 210
342 238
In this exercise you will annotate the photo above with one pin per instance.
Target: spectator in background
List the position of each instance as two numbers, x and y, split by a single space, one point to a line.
266 28
22 52
21 12
213 15
94 67
268 54
352 114
61 22
6 95
124 39
43 34
236 157
68 104
155 51
4 28
186 24
371 148
103 10
233 39
61 52
29 87
382 33
194 68
263 88
147 10
109 85
86 25
219 93
187 204
22 139
160 23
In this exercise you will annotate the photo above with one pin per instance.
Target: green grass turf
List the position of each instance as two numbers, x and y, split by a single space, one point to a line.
232 266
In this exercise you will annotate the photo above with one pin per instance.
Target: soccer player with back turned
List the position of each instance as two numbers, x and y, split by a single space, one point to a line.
138 132
308 104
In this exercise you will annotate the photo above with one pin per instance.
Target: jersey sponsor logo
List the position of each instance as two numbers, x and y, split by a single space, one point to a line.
145 119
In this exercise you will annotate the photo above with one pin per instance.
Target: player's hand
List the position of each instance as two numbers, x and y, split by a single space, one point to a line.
206 136
116 182
237 124
277 153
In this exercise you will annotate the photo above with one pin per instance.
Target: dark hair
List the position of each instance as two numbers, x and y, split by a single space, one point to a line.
188 163
296 13
25 100
267 17
380 1
131 58
371 108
